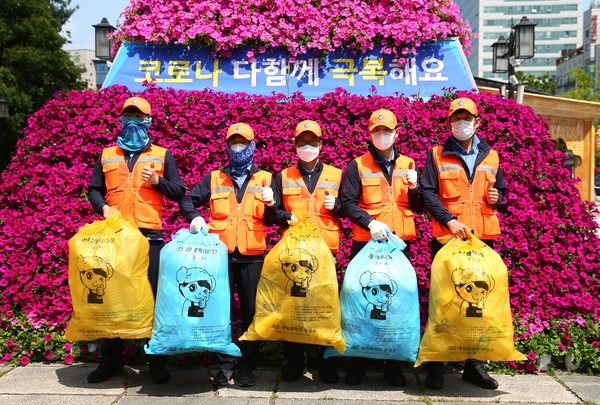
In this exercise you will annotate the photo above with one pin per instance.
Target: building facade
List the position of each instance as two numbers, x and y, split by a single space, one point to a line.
559 30
585 57
95 69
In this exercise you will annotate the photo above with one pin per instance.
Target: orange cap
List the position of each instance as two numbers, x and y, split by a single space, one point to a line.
308 126
139 103
462 104
383 117
242 129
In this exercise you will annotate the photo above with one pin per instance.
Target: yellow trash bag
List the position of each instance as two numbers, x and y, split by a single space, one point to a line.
108 277
297 295
469 306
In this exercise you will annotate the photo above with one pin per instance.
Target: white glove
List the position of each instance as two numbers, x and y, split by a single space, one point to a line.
411 178
329 202
378 229
266 194
197 224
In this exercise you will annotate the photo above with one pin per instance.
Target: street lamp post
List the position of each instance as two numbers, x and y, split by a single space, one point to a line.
4 108
508 53
103 43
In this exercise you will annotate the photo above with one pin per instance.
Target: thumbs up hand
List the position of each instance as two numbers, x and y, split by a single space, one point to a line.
492 193
266 193
329 201
411 176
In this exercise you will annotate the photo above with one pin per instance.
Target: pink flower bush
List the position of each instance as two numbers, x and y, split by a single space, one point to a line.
547 242
398 25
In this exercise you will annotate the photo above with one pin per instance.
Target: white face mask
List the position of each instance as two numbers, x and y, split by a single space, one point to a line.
383 139
238 147
463 130
307 153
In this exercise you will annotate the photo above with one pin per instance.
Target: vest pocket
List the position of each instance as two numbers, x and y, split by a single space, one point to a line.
450 185
491 223
219 205
220 228
408 223
255 236
147 212
292 197
371 190
111 175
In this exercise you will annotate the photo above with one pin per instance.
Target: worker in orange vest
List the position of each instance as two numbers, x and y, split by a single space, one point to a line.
317 185
134 176
463 187
380 193
236 215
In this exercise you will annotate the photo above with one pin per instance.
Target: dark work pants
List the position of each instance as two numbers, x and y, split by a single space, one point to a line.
112 349
243 278
295 356
357 364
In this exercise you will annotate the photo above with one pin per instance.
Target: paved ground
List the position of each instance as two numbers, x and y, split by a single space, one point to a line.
67 385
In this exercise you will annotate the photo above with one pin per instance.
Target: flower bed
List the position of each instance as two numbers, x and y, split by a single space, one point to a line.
547 242
297 25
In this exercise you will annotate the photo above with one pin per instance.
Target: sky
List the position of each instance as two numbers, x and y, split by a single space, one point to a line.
91 12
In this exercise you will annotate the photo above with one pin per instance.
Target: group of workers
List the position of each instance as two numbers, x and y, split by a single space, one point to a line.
461 187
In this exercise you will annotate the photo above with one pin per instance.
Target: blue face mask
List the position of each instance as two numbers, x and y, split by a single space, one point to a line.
135 133
242 159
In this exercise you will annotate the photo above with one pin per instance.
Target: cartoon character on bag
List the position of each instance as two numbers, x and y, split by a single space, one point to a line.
378 289
299 266
473 286
196 285
94 273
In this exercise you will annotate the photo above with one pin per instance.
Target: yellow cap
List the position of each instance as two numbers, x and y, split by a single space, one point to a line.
241 129
383 117
139 103
308 126
462 104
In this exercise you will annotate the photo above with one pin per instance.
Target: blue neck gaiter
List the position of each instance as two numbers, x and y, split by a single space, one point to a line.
135 133
243 159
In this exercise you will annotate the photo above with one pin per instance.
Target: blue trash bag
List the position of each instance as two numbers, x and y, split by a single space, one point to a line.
192 312
380 304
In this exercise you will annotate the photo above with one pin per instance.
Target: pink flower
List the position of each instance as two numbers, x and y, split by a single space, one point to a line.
531 356
48 337
24 360
69 358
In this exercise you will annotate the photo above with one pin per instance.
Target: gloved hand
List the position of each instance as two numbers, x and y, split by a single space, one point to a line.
197 224
329 202
266 194
411 178
378 229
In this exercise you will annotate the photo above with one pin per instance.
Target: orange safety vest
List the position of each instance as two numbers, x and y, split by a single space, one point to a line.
127 192
385 203
294 191
464 200
238 225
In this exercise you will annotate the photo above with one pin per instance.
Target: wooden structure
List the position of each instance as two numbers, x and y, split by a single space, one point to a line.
573 121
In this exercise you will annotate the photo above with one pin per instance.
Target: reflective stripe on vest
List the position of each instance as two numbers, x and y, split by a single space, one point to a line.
385 203
238 225
466 201
127 192
294 192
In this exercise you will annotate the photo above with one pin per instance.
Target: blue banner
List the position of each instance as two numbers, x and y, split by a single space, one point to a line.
435 66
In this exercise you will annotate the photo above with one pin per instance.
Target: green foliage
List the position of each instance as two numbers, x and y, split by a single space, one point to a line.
586 87
33 65
543 83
